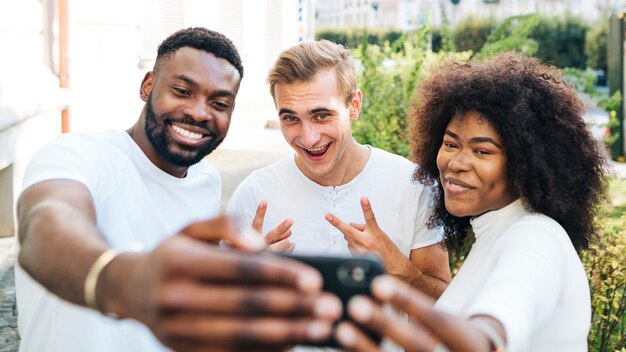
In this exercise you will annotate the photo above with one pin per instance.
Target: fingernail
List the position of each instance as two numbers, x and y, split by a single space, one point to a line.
328 217
327 307
360 309
384 288
345 335
318 330
309 281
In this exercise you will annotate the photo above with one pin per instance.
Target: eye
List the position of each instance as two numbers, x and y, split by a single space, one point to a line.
289 118
181 91
449 145
221 105
322 116
481 152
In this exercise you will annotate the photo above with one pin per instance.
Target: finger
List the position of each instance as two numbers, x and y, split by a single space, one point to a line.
280 246
353 339
244 334
360 227
372 316
355 248
368 213
224 228
243 301
182 257
346 229
290 249
259 216
457 334
281 232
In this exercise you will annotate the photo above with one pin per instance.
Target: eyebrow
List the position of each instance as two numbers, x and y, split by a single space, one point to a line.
312 111
196 85
475 139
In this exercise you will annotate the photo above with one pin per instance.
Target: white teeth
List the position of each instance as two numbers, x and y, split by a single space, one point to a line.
186 133
317 149
456 185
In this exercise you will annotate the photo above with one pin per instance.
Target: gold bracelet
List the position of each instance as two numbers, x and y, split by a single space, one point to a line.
94 273
495 340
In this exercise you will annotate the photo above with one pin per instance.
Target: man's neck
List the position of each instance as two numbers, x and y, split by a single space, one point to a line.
138 134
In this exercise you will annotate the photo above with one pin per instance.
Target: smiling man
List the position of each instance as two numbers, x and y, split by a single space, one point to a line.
88 199
332 178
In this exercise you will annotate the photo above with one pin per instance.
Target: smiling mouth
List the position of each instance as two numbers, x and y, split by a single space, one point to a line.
457 186
317 152
187 133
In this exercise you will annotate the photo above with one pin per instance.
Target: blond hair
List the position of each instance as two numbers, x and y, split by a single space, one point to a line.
303 61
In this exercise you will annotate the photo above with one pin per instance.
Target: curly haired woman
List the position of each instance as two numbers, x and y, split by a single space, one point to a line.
517 174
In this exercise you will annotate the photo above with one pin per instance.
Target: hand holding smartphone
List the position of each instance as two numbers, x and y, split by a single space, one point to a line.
345 277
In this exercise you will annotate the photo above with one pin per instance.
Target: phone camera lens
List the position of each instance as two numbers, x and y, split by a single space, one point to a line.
358 274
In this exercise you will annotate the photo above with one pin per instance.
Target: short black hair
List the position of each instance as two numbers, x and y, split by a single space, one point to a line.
553 162
202 39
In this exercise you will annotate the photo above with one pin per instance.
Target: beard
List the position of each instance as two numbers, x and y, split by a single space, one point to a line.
172 151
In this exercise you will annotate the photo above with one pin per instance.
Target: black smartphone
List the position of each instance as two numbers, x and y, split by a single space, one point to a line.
345 277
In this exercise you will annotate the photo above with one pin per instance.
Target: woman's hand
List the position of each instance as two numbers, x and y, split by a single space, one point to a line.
426 330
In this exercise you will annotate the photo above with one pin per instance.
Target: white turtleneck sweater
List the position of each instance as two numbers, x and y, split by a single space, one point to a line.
523 271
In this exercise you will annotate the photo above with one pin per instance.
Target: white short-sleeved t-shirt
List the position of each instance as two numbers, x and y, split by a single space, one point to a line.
402 207
523 271
135 202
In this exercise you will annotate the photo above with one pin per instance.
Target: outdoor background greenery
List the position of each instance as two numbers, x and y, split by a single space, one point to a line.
392 63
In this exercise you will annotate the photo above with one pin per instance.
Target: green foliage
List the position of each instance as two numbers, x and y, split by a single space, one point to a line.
472 33
595 45
605 264
354 37
513 34
583 81
387 80
561 41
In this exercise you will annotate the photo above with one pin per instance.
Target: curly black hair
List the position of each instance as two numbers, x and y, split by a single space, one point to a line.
553 163
202 39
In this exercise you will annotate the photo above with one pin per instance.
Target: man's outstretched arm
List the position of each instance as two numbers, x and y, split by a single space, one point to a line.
190 293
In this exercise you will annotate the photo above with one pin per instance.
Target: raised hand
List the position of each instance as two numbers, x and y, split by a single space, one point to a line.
426 330
276 239
368 237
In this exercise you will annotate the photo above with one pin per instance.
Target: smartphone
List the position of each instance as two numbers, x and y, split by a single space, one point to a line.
345 277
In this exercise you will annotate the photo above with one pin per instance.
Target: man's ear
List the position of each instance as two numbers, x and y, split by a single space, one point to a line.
146 86
355 105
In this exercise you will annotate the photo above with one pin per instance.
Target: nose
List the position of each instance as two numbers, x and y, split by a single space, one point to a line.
459 162
310 135
198 110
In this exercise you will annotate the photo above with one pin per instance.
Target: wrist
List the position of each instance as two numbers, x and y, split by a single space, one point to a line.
112 285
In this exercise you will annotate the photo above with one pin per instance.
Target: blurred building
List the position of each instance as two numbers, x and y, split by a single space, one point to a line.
408 14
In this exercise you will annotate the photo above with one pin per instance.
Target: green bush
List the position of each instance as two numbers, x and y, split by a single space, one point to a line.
605 264
561 41
595 45
354 37
472 33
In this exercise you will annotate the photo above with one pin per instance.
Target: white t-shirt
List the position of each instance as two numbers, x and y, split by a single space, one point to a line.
401 206
135 202
523 271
